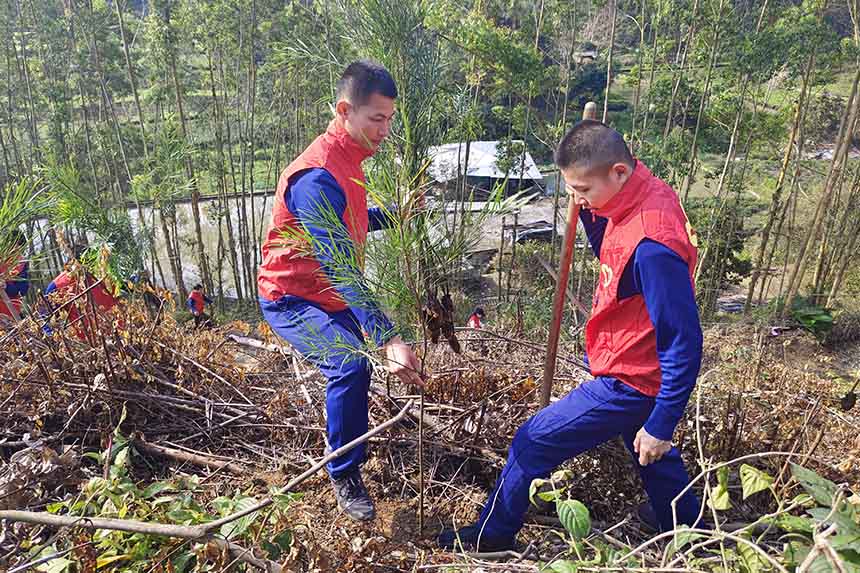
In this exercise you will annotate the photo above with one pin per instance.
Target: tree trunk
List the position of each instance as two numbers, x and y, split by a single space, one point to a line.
843 144
614 18
132 78
712 60
202 261
680 72
222 180
775 205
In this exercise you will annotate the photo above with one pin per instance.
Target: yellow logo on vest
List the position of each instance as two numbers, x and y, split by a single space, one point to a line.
691 234
606 275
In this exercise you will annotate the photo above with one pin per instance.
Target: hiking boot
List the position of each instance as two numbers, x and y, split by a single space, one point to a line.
466 539
648 518
352 496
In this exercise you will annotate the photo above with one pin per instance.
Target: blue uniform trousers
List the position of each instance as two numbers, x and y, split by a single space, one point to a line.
330 341
593 413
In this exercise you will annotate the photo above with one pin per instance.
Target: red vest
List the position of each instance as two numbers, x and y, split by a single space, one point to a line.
619 337
197 298
15 300
287 267
102 299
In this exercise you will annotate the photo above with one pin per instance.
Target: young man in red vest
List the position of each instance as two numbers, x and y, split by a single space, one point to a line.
14 279
643 341
67 286
311 285
196 304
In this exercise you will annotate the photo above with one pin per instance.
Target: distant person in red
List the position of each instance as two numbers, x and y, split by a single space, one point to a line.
67 286
196 303
13 276
476 320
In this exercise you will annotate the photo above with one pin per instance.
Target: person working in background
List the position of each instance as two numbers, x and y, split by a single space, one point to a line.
14 278
196 303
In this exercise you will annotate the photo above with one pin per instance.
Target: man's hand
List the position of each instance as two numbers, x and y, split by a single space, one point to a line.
649 448
400 360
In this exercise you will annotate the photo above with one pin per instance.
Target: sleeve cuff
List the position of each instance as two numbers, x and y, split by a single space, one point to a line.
662 421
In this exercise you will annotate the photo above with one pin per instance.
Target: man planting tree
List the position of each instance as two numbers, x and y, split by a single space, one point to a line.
311 284
643 342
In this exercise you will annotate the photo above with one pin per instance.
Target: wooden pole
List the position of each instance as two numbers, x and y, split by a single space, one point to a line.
590 112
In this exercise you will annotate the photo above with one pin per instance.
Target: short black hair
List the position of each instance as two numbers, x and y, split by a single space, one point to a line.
593 145
198 286
363 78
18 239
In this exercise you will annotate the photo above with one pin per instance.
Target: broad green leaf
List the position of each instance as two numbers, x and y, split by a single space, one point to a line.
754 480
803 499
179 515
841 542
183 562
105 561
121 458
850 560
720 495
574 517
224 505
793 523
116 432
843 518
279 544
534 488
563 566
58 565
821 489
284 500
681 540
156 488
751 560
238 527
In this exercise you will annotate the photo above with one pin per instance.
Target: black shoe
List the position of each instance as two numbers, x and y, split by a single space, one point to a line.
466 539
352 497
648 518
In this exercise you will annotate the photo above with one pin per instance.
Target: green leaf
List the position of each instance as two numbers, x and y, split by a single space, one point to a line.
851 542
822 490
284 500
751 560
850 560
279 544
793 523
720 496
58 565
844 518
105 561
238 527
574 517
156 488
183 562
534 488
681 540
563 566
754 480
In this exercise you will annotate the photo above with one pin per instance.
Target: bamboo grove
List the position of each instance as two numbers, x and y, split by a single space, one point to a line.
126 110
